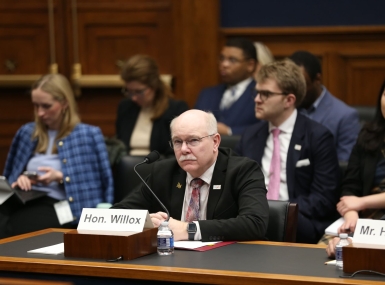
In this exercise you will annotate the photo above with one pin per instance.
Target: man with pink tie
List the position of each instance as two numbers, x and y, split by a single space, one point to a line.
297 155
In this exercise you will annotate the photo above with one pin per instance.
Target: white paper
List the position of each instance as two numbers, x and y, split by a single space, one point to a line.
192 244
53 249
333 228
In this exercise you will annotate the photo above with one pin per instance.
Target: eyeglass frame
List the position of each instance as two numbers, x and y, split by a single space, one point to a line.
130 93
188 143
266 96
232 60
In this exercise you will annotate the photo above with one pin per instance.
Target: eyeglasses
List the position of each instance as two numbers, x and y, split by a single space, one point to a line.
177 143
231 60
265 94
130 93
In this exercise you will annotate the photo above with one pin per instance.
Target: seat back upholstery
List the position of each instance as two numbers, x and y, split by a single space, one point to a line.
283 219
365 113
229 141
125 177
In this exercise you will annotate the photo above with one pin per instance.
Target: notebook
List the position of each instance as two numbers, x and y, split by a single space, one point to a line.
6 191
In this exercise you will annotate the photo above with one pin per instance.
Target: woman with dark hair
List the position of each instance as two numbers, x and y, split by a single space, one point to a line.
143 119
70 159
363 188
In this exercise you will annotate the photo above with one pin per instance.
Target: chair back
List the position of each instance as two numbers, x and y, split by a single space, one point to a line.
229 141
125 177
365 113
283 219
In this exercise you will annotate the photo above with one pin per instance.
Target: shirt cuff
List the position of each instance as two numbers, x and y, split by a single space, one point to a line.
198 235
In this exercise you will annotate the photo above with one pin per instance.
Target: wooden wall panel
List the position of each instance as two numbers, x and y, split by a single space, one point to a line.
181 35
23 38
352 57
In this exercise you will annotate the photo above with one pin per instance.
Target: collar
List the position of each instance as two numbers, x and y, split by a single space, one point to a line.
206 177
241 85
288 125
319 99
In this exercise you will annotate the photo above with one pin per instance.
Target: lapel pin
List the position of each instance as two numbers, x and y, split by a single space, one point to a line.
179 185
297 147
217 187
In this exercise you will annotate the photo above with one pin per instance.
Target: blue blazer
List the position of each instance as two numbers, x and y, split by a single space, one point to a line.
341 120
84 160
239 116
313 186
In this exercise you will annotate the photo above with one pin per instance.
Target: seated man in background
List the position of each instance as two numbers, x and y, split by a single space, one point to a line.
322 107
217 195
297 154
231 102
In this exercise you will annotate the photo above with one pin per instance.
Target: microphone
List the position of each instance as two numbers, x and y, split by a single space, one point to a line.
150 158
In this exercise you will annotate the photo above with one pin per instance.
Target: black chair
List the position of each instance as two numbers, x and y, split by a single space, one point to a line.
125 178
283 219
229 141
365 113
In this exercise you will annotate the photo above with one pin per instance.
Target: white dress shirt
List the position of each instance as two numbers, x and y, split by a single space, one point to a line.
228 98
284 137
203 197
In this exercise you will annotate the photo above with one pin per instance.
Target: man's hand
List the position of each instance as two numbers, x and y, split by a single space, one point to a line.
179 229
223 129
158 218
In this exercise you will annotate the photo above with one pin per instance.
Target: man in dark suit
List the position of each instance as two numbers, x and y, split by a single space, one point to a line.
230 203
321 106
297 155
231 102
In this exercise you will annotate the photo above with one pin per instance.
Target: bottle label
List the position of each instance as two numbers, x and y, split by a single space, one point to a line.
339 253
166 242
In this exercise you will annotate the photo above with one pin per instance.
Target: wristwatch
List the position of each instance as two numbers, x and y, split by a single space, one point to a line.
191 229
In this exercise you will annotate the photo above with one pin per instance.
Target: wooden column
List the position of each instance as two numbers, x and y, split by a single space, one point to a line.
196 26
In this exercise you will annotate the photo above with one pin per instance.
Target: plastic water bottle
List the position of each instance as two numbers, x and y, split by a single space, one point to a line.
339 258
165 239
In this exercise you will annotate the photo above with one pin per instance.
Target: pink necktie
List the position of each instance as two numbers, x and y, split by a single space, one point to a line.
275 169
193 207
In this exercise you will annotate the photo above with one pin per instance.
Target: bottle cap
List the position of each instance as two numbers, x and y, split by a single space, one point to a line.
344 235
164 223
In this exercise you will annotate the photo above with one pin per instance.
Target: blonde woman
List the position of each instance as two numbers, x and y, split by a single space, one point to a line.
69 157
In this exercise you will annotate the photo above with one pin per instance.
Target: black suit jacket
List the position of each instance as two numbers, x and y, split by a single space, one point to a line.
359 175
312 186
237 211
128 113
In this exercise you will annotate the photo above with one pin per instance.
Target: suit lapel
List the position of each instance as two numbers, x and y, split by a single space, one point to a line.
260 142
218 178
178 187
294 151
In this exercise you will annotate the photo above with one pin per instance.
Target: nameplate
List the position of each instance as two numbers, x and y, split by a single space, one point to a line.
117 220
370 232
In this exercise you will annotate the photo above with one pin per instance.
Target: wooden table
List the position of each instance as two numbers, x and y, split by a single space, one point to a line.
242 263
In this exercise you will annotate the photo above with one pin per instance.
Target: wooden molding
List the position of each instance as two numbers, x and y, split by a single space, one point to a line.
18 80
325 30
109 80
